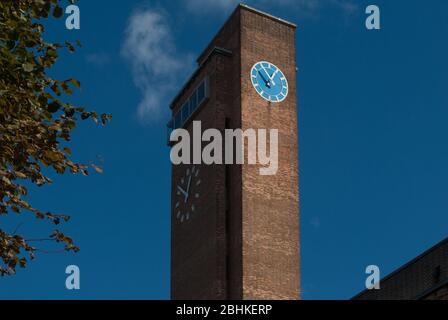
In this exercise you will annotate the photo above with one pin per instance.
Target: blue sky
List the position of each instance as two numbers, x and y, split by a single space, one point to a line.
373 150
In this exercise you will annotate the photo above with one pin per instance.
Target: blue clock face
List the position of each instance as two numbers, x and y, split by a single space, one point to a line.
269 81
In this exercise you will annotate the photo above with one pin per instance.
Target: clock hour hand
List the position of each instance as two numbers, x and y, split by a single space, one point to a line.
183 192
264 79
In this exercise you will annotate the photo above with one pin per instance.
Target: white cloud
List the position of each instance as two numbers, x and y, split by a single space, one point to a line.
158 67
347 6
200 6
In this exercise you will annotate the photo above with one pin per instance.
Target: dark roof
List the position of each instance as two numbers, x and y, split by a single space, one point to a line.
443 243
200 59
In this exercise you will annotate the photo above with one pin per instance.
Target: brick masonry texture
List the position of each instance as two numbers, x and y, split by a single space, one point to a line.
270 203
243 241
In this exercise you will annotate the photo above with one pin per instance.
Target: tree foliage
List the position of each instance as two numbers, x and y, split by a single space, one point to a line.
35 121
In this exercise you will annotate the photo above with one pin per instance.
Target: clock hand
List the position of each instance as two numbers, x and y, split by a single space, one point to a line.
188 188
273 75
264 79
183 192
270 78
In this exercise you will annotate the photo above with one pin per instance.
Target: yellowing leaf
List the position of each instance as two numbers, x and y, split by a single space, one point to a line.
20 175
28 67
97 168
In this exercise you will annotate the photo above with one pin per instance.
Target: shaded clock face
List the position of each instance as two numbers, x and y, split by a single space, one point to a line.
187 194
269 81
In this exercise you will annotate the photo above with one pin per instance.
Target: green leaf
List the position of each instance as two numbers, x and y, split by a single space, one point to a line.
76 83
58 12
36 123
70 112
54 106
56 89
70 47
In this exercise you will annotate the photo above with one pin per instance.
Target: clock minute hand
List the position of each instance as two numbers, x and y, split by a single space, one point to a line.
271 79
188 187
273 75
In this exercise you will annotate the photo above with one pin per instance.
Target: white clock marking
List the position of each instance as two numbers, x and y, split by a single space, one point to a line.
188 185
269 81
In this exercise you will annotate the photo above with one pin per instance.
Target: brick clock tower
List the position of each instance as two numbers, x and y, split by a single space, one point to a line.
235 233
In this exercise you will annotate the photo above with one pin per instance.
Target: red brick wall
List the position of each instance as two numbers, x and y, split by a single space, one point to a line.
270 203
244 241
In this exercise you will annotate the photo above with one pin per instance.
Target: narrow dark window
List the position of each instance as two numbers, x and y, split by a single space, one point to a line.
178 120
193 102
185 113
201 92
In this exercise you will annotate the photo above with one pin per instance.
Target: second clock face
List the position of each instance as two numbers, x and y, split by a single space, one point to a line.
187 194
269 81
